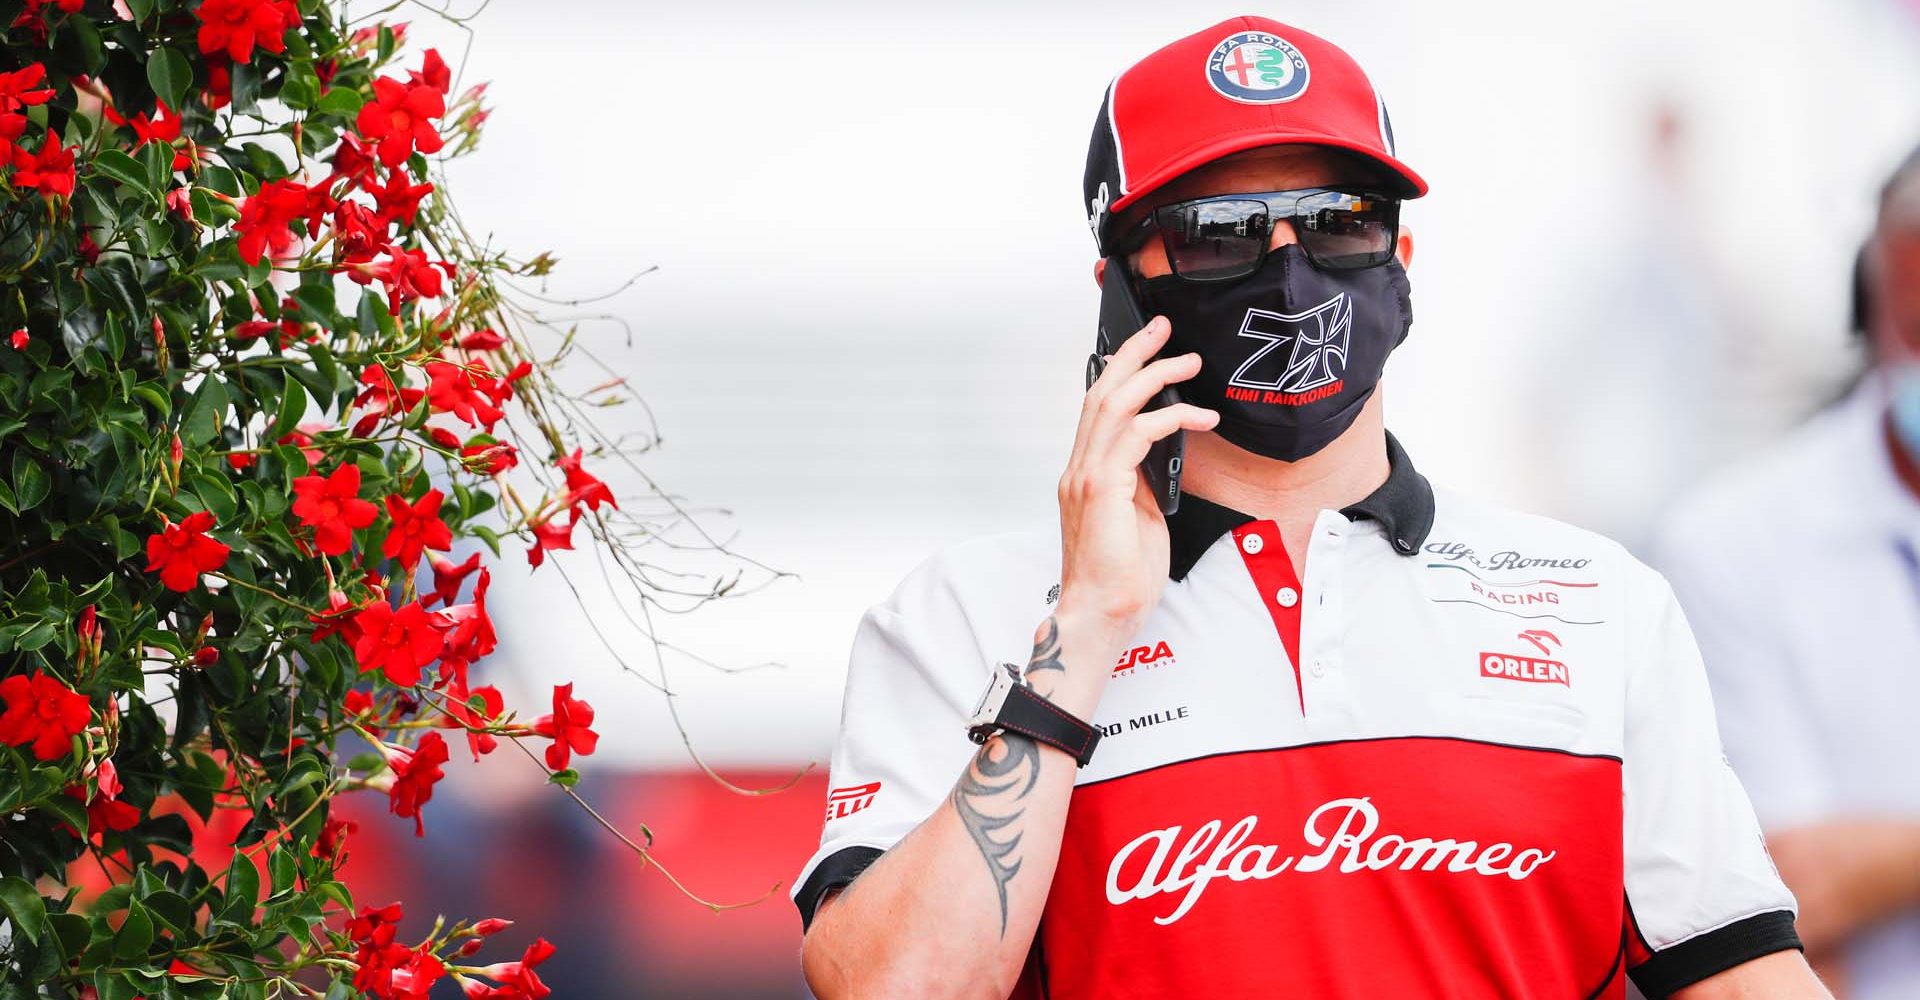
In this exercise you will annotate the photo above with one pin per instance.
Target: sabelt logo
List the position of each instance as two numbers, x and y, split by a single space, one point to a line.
1157 655
844 802
1533 669
1341 834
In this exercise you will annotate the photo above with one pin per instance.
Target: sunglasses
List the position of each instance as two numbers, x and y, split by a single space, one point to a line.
1223 237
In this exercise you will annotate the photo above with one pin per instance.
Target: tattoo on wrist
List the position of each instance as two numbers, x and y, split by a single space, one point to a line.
990 798
1046 651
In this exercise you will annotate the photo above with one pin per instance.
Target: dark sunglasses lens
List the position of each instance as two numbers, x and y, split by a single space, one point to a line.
1215 240
1353 233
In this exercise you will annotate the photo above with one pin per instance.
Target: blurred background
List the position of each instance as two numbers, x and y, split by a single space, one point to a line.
871 298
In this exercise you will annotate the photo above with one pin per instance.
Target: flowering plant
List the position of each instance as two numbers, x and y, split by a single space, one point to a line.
254 387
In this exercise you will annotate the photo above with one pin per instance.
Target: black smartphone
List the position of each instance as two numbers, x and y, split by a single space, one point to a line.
1121 317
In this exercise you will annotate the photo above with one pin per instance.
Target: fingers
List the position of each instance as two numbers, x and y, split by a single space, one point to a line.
1121 365
1130 396
1146 428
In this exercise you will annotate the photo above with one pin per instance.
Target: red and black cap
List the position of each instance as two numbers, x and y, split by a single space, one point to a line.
1245 82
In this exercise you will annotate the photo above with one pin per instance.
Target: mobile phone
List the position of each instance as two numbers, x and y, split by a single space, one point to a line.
1121 317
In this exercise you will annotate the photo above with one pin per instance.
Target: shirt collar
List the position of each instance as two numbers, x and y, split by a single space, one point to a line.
1403 506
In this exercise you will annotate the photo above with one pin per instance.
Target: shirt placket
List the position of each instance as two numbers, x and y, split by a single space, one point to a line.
1305 613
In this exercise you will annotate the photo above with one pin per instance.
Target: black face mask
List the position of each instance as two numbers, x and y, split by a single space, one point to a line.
1288 354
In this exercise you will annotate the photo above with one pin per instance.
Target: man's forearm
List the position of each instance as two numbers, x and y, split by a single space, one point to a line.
951 910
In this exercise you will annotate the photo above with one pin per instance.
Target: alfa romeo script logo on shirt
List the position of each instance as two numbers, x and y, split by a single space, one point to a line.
1347 849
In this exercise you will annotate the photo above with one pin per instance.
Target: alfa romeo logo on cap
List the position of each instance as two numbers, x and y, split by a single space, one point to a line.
1257 67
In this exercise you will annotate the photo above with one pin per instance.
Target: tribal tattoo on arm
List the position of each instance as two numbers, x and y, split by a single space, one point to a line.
989 798
1046 651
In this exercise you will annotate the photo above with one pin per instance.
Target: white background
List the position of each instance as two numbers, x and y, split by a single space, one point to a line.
874 299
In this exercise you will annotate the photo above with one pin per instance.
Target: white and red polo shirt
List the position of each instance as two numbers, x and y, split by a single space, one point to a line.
1460 752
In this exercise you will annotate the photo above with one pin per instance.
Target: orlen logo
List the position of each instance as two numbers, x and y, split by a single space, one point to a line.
844 802
1158 655
1511 667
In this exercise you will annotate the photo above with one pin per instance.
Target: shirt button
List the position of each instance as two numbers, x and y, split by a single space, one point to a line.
1287 597
1319 668
1251 545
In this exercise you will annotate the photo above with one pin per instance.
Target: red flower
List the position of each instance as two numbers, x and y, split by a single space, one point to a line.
164 129
359 234
490 459
415 527
181 552
549 535
332 508
469 392
567 727
469 631
333 837
219 92
357 703
381 397
376 954
517 980
415 770
582 487
12 127
104 815
22 87
413 979
399 119
408 275
43 712
448 577
50 170
396 643
460 715
444 438
483 340
236 26
266 219
399 199
351 161
433 72
19 339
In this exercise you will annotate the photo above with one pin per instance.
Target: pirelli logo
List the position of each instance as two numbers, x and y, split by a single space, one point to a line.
1509 667
844 802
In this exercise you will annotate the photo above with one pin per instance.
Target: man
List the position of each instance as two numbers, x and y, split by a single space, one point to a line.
1324 731
1802 573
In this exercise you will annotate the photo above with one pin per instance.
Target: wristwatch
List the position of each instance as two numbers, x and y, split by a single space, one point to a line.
1011 705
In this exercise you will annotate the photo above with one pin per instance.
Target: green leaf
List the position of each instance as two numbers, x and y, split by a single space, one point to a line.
170 74
24 907
243 889
125 169
565 777
135 935
342 101
31 484
293 406
206 413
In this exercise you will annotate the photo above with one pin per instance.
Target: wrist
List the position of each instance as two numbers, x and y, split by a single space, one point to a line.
1073 660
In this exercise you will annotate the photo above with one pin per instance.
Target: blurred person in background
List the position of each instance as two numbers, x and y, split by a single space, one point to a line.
1294 766
1801 574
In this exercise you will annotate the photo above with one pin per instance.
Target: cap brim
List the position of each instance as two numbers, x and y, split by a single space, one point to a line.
1411 184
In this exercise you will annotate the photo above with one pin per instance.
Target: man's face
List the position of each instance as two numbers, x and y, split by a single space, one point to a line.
1265 168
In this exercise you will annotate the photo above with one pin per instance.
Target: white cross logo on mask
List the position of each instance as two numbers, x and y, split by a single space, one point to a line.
1319 346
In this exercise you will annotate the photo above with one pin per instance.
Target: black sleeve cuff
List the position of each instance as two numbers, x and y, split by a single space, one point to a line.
834 871
1715 952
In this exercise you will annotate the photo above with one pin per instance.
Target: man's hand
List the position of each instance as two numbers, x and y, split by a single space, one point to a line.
1113 538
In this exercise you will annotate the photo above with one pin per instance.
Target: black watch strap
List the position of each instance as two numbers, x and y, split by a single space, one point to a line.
1031 715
